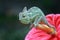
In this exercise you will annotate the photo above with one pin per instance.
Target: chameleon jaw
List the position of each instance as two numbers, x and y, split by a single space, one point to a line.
24 22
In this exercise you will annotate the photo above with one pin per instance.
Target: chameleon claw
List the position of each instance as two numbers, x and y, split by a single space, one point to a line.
35 25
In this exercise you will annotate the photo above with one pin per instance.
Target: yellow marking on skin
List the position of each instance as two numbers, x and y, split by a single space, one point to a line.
47 29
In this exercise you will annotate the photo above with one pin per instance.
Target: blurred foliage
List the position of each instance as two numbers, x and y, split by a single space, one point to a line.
12 29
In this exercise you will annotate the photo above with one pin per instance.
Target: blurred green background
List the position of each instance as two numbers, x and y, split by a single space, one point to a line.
10 26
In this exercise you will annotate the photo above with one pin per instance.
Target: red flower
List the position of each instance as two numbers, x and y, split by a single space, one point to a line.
36 34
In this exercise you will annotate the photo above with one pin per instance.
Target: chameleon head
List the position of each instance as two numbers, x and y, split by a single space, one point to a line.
23 16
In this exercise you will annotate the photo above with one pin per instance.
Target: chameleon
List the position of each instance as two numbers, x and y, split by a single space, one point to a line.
34 15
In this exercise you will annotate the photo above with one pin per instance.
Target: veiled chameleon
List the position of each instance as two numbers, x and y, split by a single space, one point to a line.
33 15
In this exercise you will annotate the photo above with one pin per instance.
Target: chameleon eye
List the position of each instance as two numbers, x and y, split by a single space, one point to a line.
23 16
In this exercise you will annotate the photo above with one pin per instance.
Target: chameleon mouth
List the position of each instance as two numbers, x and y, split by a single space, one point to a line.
24 22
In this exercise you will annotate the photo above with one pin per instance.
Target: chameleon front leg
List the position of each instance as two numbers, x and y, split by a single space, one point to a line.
37 20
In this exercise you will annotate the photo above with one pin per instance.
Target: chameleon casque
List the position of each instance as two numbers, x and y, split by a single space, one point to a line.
33 15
